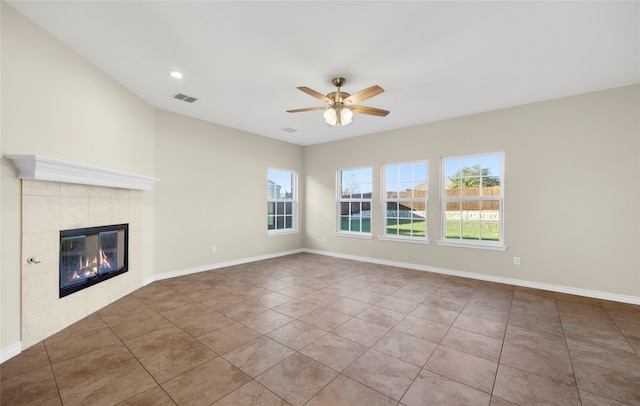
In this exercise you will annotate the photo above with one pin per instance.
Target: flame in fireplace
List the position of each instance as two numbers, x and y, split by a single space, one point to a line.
105 265
89 269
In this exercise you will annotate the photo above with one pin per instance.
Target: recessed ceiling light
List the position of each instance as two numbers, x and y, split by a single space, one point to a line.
175 74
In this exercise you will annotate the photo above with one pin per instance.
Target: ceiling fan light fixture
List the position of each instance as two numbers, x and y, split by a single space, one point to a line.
346 115
337 117
331 116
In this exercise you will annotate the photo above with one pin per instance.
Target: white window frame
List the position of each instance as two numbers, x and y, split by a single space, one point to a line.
293 200
339 200
469 243
385 199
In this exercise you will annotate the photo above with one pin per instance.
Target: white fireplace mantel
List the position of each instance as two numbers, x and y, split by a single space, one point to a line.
34 167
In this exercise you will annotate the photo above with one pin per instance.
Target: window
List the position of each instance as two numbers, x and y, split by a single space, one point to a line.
472 201
281 201
354 200
405 200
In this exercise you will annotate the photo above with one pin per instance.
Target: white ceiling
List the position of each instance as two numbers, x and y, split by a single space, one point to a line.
435 60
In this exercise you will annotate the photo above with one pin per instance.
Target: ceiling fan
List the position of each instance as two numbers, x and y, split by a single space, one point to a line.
342 104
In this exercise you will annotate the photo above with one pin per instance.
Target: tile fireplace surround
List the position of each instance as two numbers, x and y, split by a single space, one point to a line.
58 195
47 208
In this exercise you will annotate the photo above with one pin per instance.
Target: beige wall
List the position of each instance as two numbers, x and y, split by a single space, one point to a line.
213 192
571 191
58 105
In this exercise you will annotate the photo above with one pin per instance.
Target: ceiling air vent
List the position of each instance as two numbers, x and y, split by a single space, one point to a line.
289 130
185 98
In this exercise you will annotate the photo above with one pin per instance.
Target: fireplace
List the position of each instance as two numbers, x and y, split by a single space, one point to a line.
92 255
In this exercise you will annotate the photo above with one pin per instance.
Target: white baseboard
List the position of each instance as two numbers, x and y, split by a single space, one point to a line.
489 278
10 351
218 265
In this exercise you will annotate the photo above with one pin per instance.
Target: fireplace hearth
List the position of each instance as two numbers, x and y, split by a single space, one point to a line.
92 255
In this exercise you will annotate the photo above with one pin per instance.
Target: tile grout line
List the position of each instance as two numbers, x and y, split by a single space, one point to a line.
55 380
575 379
504 340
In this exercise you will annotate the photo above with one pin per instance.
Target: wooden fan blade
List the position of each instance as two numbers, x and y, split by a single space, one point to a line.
363 94
315 94
307 109
369 110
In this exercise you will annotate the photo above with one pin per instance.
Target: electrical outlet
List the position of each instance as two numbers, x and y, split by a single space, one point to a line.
516 260
213 249
324 239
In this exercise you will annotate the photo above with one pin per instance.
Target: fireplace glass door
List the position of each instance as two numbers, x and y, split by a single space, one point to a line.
90 255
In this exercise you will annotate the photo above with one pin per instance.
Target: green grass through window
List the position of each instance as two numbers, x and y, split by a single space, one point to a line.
473 230
405 227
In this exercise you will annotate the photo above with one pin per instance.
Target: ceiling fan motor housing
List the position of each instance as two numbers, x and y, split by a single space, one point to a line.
337 97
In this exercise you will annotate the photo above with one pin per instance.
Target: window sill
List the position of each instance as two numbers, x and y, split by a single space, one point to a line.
272 233
362 236
411 240
475 245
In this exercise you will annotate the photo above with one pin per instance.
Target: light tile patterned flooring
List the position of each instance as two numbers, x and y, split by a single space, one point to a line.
315 330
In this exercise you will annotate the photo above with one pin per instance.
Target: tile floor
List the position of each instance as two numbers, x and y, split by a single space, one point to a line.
314 330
